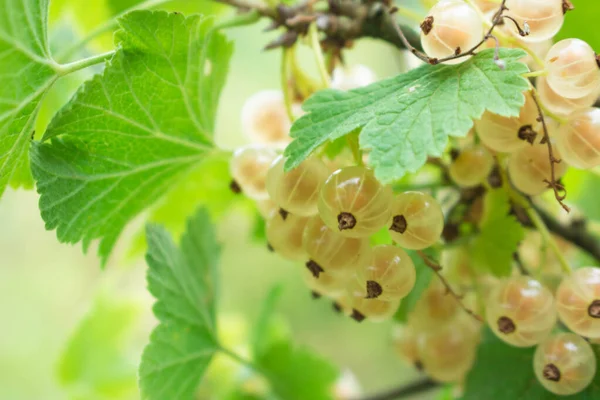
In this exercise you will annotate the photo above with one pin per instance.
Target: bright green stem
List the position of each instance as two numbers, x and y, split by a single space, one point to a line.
107 26
64 69
236 357
318 52
285 88
547 238
533 74
248 18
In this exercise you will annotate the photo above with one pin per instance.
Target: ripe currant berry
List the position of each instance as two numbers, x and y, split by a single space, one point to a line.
564 364
579 139
471 167
265 120
354 203
297 191
417 220
572 69
521 311
249 166
541 19
530 170
434 308
578 301
405 343
374 309
284 234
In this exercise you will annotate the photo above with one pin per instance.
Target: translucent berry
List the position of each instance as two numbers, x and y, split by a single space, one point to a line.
374 309
284 234
434 308
326 284
564 364
249 166
331 252
561 105
508 134
266 207
265 120
529 169
521 311
448 353
471 167
417 220
541 19
297 191
573 71
405 342
578 301
452 27
354 203
352 77
389 275
579 139
487 5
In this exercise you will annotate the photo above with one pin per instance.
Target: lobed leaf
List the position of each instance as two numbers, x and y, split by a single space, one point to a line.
405 119
183 281
27 71
130 134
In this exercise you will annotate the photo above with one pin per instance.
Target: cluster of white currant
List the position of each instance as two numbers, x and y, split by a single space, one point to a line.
567 88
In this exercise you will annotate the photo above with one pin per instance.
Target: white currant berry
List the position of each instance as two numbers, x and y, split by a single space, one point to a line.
434 308
573 70
284 234
530 170
521 311
249 166
374 309
405 343
578 301
471 167
564 364
389 275
346 78
353 202
508 134
266 207
331 252
541 19
487 5
452 27
579 139
448 352
297 190
561 105
417 220
265 119
326 284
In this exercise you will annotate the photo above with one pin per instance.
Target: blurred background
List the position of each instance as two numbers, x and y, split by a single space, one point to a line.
59 312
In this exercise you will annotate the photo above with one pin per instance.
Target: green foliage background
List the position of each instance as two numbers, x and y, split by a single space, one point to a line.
47 288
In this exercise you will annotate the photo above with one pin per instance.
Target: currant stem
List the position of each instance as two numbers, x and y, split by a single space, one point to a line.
547 238
65 69
313 36
534 74
285 87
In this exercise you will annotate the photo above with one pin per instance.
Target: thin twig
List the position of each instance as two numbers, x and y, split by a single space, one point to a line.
436 267
420 386
560 193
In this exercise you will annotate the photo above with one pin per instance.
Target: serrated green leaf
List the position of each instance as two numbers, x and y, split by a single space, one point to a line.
505 372
183 281
261 337
95 364
424 275
499 237
131 133
410 117
297 374
27 71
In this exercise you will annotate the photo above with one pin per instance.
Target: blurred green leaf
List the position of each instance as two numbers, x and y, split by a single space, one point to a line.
499 237
424 275
261 335
405 119
505 372
132 133
582 23
297 374
95 364
26 72
184 282
584 191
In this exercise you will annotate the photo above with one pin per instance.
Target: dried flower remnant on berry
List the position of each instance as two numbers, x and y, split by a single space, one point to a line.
527 134
314 268
506 325
427 25
346 221
399 224
357 315
594 309
374 290
551 372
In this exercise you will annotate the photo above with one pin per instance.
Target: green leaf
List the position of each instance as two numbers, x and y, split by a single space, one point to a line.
499 237
27 71
261 335
130 134
582 23
297 374
408 118
95 363
183 281
505 372
424 275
